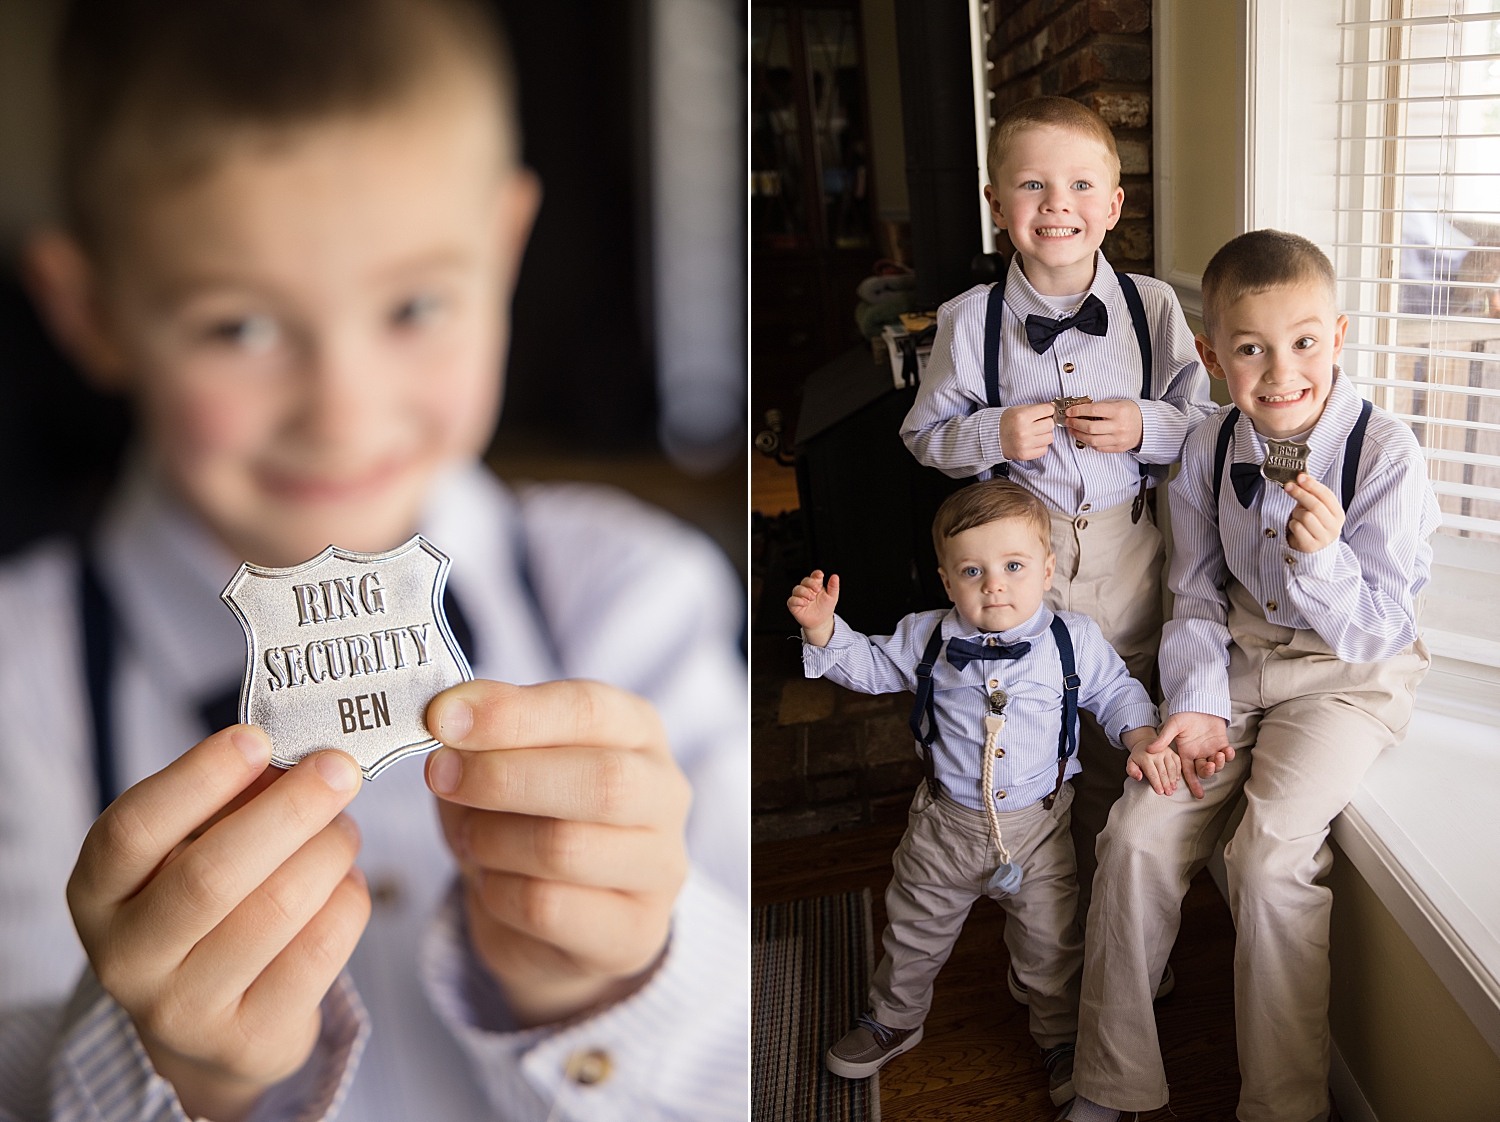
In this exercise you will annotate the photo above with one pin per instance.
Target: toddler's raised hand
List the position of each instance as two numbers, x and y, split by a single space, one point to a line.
218 901
565 810
1162 768
1202 743
1026 430
1318 518
811 605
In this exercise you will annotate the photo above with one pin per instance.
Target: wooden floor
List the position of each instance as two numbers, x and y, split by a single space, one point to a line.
977 1060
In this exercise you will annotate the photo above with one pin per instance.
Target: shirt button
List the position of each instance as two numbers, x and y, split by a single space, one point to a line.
588 1068
1085 506
1083 523
1270 533
1271 605
1000 755
994 683
999 794
1067 368
1290 560
1079 443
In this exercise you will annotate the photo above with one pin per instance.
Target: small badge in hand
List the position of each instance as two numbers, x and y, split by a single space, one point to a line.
1061 405
1285 460
345 651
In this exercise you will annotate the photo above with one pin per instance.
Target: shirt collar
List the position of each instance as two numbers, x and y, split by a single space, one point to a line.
955 627
1024 300
1326 441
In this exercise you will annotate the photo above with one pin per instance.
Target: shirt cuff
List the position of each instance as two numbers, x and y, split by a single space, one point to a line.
677 1047
1132 716
1325 565
1212 702
989 434
817 661
101 1071
1163 431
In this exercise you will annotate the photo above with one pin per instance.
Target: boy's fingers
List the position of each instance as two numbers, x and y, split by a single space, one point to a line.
558 849
140 828
302 973
606 785
833 585
1132 770
1190 777
231 956
209 879
485 716
1166 735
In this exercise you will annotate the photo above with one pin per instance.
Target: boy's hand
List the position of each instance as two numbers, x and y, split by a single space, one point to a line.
565 810
1026 430
1161 768
1202 742
1108 426
811 605
218 900
1318 518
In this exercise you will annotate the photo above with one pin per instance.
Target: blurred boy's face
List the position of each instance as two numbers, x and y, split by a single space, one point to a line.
995 574
314 328
1055 195
1276 350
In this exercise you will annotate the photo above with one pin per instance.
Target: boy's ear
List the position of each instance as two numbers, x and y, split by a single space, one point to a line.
995 211
946 586
520 199
1209 356
1049 571
64 285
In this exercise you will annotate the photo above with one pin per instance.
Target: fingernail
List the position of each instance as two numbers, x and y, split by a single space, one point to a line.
337 770
453 720
253 745
444 770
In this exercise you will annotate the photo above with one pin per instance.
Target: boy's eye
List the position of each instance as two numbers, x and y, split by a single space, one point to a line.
1032 185
1249 349
252 333
1082 185
971 571
417 310
1013 566
1304 343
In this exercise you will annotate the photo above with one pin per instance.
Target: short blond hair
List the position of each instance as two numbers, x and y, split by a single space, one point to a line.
993 500
1049 113
1259 261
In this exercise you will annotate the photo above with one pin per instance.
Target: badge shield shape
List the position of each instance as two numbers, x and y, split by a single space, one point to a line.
345 651
1285 460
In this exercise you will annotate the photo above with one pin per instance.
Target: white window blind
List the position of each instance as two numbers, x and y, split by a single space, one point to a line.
1418 250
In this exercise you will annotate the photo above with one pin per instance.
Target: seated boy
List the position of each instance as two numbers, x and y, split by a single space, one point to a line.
1301 518
999 680
292 234
1077 382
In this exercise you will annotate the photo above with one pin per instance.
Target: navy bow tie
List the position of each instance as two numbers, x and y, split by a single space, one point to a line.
961 652
1091 319
1247 480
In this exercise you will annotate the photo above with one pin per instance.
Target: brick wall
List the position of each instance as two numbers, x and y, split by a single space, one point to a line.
1097 52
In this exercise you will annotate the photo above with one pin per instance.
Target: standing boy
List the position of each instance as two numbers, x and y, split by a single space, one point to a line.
999 681
1077 382
293 230
1302 517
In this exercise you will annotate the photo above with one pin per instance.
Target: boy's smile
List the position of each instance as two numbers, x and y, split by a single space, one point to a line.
1056 197
995 574
1276 349
313 329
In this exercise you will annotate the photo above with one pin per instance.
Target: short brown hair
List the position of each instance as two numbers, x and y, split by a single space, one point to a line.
149 88
1257 262
1054 113
993 500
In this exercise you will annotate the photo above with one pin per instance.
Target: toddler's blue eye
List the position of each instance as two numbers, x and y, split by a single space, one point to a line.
1032 185
252 333
1012 566
971 571
417 310
1082 185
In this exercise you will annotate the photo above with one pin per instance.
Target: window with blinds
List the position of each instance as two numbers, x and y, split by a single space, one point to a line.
1418 250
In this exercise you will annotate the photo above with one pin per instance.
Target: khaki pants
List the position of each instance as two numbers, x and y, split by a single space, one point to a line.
1306 727
941 867
1109 569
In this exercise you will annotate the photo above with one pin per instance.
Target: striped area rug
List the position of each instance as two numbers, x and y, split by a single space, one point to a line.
811 962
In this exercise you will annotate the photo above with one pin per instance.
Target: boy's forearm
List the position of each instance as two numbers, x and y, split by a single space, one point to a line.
818 636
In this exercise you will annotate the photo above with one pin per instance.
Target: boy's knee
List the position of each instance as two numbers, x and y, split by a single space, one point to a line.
1260 865
1143 833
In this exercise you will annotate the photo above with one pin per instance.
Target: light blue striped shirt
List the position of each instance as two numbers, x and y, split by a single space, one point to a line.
1359 593
1034 683
951 426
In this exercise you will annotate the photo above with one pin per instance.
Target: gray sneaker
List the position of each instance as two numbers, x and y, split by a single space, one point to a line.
866 1047
1059 1064
1022 996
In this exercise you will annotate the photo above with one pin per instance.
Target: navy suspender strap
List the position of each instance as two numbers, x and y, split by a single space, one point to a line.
100 647
1353 447
1067 736
994 322
924 706
97 618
